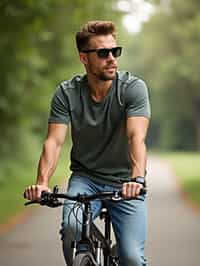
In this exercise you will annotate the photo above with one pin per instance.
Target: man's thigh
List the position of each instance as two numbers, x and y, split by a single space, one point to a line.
79 184
129 219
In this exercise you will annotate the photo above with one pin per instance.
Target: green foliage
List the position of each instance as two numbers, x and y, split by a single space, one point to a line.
166 53
186 166
15 175
37 51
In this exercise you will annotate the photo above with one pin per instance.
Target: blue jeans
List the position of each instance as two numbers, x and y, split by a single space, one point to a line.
128 220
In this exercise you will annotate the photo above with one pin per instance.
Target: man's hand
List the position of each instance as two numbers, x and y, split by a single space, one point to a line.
131 189
34 192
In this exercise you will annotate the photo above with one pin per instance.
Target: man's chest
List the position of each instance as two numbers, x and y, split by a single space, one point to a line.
87 114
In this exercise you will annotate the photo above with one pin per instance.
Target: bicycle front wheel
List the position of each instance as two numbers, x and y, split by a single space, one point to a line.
83 259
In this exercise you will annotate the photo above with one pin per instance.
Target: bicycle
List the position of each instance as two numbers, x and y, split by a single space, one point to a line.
93 245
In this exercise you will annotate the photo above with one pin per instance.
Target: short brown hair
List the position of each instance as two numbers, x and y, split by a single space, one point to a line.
91 29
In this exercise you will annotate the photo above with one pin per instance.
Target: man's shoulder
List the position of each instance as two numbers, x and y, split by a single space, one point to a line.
73 83
126 78
130 87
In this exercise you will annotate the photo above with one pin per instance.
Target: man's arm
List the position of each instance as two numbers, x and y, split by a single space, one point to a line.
136 131
48 160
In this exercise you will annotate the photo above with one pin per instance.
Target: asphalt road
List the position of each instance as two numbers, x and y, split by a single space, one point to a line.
173 233
174 228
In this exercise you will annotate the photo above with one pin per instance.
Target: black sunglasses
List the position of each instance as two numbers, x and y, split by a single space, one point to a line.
104 52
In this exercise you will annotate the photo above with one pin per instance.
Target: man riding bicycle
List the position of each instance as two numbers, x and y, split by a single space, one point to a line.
109 113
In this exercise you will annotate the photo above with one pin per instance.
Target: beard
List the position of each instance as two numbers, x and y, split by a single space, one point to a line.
105 74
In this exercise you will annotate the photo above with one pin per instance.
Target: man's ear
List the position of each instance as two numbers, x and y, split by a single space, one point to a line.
83 58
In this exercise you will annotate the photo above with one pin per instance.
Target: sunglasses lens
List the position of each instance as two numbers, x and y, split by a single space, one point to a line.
104 53
116 52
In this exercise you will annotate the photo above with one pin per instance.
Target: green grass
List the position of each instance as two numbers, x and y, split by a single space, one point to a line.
16 175
187 167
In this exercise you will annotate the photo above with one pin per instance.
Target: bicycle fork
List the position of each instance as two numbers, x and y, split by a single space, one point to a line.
86 244
105 216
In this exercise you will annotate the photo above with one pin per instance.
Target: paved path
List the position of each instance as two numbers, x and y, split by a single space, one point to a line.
174 229
173 240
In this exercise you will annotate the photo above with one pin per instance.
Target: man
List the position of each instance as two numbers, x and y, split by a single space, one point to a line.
109 113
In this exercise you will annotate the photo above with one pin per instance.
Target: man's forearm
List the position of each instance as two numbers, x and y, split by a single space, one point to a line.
138 154
48 162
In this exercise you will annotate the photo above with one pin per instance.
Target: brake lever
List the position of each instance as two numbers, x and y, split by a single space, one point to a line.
53 204
47 199
31 202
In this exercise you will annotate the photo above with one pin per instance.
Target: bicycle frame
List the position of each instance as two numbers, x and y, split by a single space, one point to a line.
90 231
92 240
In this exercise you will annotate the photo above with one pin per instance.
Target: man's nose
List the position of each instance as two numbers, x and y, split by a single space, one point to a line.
110 56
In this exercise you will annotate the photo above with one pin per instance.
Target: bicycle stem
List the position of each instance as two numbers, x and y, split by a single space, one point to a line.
87 218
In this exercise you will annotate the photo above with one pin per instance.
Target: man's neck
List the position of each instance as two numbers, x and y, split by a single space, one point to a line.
99 88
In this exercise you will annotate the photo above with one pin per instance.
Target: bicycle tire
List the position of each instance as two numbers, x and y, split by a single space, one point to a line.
83 259
115 256
114 250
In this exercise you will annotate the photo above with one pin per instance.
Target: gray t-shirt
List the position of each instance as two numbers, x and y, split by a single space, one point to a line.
100 147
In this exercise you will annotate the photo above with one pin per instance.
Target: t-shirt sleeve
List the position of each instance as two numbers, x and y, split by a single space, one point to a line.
137 99
59 111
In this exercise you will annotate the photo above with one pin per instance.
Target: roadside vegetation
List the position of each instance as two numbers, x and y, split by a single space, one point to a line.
17 174
187 168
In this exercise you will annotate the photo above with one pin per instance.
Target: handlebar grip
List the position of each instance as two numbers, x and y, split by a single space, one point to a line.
45 194
48 199
143 191
35 201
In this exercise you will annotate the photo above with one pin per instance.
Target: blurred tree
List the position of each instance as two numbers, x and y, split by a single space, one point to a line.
37 51
166 52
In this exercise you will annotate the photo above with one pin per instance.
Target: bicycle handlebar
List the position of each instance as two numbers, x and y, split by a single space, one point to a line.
50 199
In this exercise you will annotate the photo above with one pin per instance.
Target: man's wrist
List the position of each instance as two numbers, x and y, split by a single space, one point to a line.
140 180
42 182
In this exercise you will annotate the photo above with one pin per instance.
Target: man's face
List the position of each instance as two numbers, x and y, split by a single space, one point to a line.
102 68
